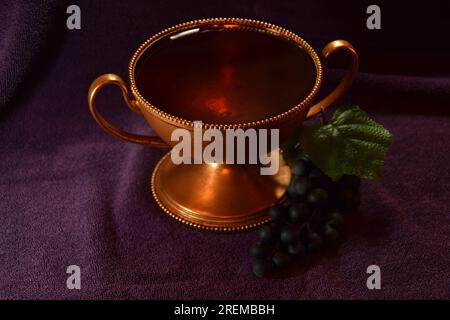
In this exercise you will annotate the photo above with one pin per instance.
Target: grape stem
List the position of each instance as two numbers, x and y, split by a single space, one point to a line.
306 224
323 117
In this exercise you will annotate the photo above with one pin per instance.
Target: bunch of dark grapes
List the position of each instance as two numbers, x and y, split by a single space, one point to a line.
311 217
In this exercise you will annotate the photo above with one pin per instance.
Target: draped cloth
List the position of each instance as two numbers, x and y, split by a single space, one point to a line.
72 195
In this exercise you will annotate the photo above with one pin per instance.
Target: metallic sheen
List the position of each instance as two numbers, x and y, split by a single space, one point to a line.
219 197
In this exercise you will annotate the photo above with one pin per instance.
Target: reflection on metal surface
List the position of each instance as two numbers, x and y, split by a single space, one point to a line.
184 33
219 197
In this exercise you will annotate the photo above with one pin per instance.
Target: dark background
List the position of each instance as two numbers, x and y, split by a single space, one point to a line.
71 194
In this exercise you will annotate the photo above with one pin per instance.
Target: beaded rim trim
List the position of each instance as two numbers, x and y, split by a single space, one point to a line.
247 23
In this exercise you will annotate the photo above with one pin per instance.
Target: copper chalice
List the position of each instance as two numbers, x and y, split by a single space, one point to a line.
229 73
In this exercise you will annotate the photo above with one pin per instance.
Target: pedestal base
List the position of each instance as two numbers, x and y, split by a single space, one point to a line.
218 197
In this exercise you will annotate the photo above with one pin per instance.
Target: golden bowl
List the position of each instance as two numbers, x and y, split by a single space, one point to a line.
230 73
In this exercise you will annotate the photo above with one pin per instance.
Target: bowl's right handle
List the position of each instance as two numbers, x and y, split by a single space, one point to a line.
111 78
345 83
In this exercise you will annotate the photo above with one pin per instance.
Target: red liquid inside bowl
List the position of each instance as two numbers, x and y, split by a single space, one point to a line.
225 76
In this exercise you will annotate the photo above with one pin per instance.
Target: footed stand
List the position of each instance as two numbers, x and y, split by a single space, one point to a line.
218 197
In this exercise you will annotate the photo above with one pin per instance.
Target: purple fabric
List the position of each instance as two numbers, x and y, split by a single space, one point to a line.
71 194
26 26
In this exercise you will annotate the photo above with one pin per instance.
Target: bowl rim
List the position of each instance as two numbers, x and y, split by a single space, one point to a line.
227 23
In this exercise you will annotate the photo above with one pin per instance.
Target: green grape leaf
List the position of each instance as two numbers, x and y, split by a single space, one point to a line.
351 143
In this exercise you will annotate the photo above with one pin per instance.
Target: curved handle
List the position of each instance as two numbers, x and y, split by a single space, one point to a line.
111 78
345 83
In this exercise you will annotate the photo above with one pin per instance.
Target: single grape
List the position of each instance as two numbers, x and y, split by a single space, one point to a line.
336 219
318 198
292 193
289 234
277 213
281 259
314 242
330 234
302 186
299 167
307 160
299 212
266 235
297 249
276 228
262 267
260 250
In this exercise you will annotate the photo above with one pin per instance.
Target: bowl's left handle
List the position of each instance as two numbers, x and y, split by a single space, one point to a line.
107 79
